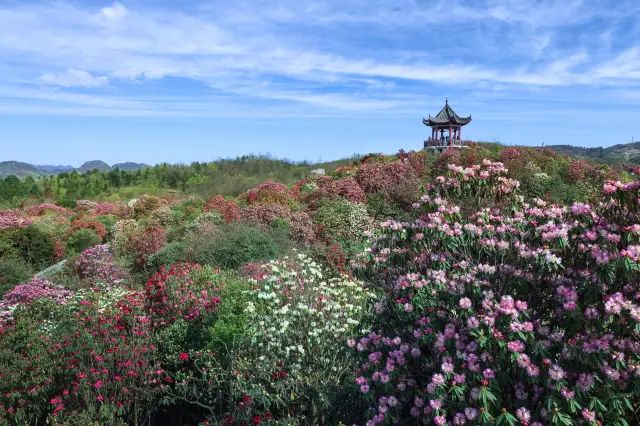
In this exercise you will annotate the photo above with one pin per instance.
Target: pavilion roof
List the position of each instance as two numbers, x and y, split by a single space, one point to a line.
446 116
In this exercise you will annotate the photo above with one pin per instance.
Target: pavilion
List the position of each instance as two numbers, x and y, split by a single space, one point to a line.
446 121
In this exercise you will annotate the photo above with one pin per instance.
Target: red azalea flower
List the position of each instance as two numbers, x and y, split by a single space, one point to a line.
257 420
184 356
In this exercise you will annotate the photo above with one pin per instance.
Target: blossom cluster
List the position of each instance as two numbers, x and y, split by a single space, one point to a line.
518 312
42 209
10 219
96 266
25 294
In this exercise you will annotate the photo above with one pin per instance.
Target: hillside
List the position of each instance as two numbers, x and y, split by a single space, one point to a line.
129 166
19 169
93 165
55 169
615 155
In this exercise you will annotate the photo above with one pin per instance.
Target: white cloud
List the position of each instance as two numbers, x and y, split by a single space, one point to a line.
74 78
115 12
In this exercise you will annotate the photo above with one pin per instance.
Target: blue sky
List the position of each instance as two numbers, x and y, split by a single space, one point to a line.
186 80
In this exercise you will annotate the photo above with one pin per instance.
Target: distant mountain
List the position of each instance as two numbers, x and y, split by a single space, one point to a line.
55 169
129 166
92 165
20 169
615 155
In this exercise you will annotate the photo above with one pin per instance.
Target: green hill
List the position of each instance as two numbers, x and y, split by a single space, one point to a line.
129 166
614 155
20 169
92 165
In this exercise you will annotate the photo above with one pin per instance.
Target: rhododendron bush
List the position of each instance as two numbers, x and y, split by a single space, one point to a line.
519 313
294 361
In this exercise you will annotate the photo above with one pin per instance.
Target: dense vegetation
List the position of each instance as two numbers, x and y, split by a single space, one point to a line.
225 177
490 286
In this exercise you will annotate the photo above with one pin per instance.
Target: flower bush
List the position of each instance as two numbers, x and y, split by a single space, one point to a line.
229 210
25 294
343 220
516 314
95 266
347 187
10 219
142 243
42 209
295 363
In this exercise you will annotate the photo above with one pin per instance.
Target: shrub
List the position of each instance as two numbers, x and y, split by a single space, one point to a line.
296 362
170 254
142 243
13 270
343 220
383 178
92 267
265 214
228 209
107 221
34 246
10 219
347 188
82 239
234 245
25 294
517 313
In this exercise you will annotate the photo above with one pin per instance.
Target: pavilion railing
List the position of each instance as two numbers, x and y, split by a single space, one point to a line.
441 144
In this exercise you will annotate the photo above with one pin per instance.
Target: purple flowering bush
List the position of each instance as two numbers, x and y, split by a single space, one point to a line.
516 313
93 266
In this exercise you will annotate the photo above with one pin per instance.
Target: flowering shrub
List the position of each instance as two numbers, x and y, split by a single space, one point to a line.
143 242
343 220
42 209
265 214
377 177
173 293
146 204
448 156
95 266
296 360
10 219
301 228
518 313
270 192
25 294
579 170
228 209
107 208
346 187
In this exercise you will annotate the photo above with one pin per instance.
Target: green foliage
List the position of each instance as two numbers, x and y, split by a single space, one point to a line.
34 246
380 208
233 245
13 270
230 327
168 255
81 240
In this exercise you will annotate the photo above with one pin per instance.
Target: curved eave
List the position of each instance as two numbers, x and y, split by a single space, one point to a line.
454 122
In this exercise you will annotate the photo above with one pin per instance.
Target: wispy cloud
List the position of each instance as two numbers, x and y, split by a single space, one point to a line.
74 78
330 57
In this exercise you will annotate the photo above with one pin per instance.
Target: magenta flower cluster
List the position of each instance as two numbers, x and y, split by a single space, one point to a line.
25 294
96 266
520 312
10 219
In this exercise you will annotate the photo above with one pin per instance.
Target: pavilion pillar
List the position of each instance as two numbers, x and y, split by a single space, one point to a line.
460 132
450 135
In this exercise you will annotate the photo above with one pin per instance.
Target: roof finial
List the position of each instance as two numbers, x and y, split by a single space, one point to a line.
446 101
